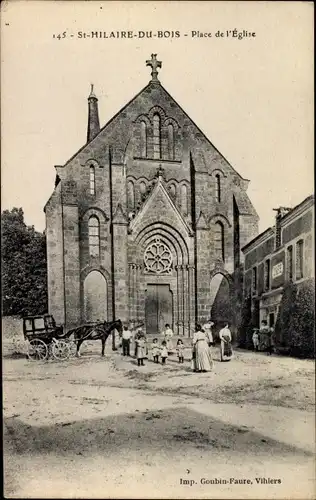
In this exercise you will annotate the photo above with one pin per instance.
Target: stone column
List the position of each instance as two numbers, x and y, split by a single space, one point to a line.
138 295
186 299
130 291
179 301
191 299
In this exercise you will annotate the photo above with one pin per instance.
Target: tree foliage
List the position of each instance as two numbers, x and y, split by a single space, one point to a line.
24 274
296 319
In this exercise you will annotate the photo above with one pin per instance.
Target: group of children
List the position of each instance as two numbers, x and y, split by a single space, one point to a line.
158 350
162 351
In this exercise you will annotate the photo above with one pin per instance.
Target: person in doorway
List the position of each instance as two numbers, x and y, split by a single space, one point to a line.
126 340
167 335
163 352
180 351
155 349
207 327
141 349
202 358
255 339
226 343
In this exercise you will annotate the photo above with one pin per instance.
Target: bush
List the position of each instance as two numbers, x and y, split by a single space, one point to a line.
301 333
294 329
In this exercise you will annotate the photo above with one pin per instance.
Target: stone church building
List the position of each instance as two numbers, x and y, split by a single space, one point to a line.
147 221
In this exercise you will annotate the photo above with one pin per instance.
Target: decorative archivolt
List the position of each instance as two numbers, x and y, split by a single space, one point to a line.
91 163
156 110
219 218
89 268
217 171
143 118
171 121
97 212
177 244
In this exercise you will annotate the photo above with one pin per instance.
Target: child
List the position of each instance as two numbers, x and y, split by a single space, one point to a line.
155 350
141 350
180 350
255 339
163 352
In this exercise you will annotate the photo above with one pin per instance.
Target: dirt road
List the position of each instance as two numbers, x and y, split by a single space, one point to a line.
101 428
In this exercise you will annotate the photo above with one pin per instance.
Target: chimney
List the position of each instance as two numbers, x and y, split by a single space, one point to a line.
280 212
93 117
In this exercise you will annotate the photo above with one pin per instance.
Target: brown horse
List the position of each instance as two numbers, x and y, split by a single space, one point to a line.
95 331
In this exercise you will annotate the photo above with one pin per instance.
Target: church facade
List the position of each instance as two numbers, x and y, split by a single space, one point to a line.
147 221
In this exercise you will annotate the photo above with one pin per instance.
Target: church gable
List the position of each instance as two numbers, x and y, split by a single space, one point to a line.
152 126
159 207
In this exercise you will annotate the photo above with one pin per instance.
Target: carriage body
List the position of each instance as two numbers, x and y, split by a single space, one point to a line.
44 336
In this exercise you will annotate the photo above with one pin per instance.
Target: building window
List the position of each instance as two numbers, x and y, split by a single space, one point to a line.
94 236
143 139
170 142
184 199
219 241
92 180
130 195
172 190
218 187
267 275
156 136
289 263
254 281
299 259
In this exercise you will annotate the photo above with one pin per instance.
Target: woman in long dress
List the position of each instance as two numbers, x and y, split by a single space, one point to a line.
167 336
202 354
207 327
226 343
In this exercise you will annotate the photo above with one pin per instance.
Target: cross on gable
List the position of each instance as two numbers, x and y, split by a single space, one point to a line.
154 65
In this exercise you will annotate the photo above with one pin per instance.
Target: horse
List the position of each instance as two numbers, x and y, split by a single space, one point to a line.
96 331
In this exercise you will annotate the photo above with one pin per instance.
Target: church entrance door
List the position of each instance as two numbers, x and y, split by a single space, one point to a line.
158 308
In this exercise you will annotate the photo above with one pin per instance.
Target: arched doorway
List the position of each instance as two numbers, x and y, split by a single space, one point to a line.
221 304
95 297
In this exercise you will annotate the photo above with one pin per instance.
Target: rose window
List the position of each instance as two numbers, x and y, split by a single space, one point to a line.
158 258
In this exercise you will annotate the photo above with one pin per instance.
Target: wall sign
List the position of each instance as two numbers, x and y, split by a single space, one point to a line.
277 270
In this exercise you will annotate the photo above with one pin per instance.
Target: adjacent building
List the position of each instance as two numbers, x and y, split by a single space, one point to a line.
281 254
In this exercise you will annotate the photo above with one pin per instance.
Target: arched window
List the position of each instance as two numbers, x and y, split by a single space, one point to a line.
143 139
94 236
156 136
172 190
184 199
170 142
218 187
130 195
142 187
92 180
219 241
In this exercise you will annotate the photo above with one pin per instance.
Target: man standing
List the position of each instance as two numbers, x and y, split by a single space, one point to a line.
126 340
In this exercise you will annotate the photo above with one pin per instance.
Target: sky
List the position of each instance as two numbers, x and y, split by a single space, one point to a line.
251 96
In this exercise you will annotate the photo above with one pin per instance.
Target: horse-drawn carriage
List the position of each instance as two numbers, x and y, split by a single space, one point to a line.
46 339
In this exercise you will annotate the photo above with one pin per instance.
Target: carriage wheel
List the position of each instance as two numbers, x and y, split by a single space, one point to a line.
60 350
37 350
